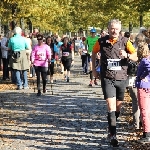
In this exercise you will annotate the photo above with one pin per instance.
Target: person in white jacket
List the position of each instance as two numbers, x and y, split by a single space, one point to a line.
5 59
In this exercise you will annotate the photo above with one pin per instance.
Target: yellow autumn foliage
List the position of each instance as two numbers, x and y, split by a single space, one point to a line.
70 15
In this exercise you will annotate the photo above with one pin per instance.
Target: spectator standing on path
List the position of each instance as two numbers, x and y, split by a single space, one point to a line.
83 53
34 43
132 73
143 87
143 30
29 42
19 60
34 38
146 33
103 33
115 52
74 46
60 55
13 76
40 57
0 54
5 59
127 35
58 62
90 41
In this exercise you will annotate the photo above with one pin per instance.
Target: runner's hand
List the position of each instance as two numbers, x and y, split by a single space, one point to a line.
145 80
123 53
49 62
72 62
31 65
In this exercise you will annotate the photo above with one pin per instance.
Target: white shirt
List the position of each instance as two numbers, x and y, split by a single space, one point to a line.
28 40
82 47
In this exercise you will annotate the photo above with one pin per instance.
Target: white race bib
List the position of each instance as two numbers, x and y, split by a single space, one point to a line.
77 43
41 56
113 64
65 54
84 51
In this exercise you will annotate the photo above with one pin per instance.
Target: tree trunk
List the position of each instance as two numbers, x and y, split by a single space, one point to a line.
141 20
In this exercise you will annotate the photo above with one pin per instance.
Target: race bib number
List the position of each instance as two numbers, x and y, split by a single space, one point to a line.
65 54
114 64
41 56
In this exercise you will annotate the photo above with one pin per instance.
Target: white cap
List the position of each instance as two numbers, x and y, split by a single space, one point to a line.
142 29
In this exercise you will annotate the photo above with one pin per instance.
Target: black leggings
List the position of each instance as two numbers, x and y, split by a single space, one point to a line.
43 71
5 68
84 60
67 64
51 69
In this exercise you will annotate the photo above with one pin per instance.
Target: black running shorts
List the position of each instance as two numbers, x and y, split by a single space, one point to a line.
113 88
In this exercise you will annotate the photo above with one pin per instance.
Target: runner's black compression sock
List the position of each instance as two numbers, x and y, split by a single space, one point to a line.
44 84
112 122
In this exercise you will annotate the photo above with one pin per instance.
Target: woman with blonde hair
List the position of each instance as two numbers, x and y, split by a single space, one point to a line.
143 89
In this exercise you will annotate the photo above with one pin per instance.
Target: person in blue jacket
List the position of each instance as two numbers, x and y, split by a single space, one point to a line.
59 43
54 51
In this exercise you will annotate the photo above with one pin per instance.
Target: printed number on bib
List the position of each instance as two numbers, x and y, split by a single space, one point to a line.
113 64
65 53
41 56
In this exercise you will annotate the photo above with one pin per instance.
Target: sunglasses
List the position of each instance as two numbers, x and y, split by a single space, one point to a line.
39 39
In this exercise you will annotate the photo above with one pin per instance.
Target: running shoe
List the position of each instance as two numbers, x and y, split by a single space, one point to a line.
91 83
114 141
95 82
67 79
44 91
39 93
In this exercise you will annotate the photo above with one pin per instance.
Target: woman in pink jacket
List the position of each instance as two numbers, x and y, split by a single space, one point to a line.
40 57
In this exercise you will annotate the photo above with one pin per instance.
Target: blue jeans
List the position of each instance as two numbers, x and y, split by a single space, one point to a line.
32 71
19 75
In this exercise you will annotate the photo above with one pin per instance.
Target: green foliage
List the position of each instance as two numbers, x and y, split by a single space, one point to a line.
70 15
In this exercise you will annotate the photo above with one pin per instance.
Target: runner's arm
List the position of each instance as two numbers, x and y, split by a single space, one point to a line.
96 49
48 53
132 51
33 53
72 52
4 44
80 48
9 45
86 44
